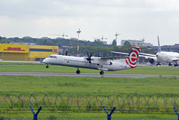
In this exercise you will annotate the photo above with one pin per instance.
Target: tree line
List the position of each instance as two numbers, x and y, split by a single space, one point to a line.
97 48
57 42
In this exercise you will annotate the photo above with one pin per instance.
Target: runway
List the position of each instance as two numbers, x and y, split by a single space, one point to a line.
82 75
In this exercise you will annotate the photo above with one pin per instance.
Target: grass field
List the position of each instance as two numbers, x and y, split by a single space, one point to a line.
41 114
62 69
15 85
105 86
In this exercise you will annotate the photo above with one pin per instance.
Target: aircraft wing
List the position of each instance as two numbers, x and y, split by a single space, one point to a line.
146 55
109 58
102 60
120 52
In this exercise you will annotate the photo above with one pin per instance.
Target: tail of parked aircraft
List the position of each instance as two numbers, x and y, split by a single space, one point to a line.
133 56
159 47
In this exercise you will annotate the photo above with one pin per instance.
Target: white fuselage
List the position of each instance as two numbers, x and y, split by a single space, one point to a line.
167 56
82 62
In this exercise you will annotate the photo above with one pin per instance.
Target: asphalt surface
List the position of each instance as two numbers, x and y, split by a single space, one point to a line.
82 75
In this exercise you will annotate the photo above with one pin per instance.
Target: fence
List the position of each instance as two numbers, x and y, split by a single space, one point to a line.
84 118
65 102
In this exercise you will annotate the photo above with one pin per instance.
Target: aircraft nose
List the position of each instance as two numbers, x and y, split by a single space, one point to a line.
44 61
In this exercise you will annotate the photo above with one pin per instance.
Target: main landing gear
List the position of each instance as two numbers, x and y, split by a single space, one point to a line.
169 64
101 72
158 64
175 65
47 66
78 71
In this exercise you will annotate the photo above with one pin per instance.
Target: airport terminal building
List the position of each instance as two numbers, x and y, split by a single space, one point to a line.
22 52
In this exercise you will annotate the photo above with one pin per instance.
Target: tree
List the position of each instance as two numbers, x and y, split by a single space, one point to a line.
47 42
114 43
127 43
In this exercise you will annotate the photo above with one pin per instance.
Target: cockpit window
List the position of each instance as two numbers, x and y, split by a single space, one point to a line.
52 56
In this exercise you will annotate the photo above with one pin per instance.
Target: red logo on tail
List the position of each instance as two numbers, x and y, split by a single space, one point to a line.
132 59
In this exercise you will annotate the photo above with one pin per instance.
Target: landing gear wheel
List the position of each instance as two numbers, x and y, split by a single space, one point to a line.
176 65
47 66
101 73
78 72
169 64
158 64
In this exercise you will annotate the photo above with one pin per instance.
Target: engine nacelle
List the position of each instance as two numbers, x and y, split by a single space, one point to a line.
101 61
106 62
152 60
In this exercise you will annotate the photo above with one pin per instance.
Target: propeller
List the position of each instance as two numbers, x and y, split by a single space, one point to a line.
89 57
66 53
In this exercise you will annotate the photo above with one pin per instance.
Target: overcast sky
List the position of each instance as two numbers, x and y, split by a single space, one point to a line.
133 19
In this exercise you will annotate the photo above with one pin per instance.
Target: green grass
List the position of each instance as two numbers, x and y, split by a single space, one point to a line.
103 114
14 85
158 85
63 69
83 85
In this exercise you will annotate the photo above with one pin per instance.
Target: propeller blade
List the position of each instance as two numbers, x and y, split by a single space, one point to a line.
91 55
87 54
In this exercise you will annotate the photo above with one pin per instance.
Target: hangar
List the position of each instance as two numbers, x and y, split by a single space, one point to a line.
21 52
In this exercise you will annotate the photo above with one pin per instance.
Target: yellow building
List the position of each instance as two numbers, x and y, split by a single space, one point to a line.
26 52
36 52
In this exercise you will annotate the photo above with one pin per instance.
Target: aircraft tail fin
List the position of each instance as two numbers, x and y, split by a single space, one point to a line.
133 56
159 47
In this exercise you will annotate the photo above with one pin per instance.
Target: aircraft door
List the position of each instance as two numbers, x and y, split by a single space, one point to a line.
60 59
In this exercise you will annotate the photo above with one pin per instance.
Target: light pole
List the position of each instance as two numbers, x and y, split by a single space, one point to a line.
78 32
116 37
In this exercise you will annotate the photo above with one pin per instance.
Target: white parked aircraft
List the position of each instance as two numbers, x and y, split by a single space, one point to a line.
99 63
161 56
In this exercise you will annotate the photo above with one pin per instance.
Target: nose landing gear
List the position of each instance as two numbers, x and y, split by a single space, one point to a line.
47 66
101 72
78 71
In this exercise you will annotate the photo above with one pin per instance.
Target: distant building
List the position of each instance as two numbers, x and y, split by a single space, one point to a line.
64 49
45 38
136 42
23 52
73 39
23 43
59 38
27 37
174 48
104 42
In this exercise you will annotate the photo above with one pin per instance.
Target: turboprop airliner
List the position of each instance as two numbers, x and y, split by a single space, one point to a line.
99 63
